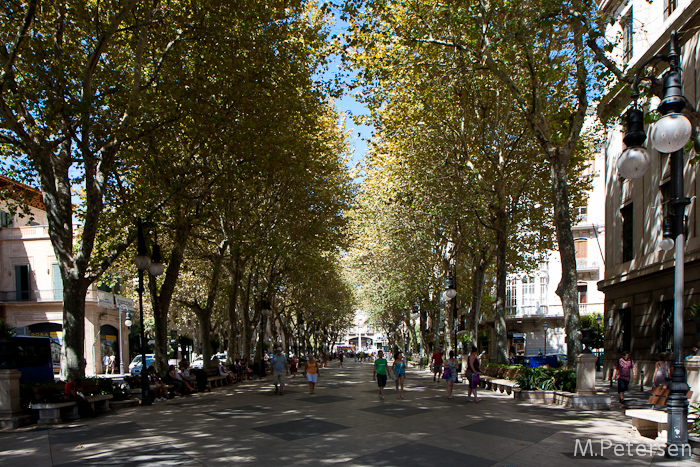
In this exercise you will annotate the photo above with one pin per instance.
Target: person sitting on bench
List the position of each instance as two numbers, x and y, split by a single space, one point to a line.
73 390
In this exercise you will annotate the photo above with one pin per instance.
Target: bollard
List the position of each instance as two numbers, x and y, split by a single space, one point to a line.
641 382
611 377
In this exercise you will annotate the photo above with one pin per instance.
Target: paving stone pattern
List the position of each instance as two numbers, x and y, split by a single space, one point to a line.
345 423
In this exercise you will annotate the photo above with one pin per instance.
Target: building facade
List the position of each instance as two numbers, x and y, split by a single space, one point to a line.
639 278
31 289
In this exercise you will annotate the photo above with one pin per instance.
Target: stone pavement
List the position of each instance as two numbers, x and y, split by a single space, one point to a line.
344 423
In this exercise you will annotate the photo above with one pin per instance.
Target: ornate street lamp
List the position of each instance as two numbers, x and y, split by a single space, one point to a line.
669 135
544 326
155 268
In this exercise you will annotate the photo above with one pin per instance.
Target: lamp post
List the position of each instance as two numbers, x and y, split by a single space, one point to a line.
450 293
127 323
669 135
155 268
545 340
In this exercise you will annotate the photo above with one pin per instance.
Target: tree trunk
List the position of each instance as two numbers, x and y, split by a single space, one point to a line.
73 349
234 329
566 289
161 301
205 334
479 265
500 310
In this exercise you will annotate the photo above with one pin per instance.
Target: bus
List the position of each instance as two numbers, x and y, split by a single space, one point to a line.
30 355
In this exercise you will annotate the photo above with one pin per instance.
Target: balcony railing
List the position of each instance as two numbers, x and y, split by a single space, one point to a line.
49 295
552 310
585 264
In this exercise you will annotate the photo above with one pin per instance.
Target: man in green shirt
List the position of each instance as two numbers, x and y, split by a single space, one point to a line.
380 372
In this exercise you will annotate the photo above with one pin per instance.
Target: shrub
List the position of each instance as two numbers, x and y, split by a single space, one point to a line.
547 379
694 411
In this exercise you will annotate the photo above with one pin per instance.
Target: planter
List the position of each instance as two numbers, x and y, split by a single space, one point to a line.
694 441
536 396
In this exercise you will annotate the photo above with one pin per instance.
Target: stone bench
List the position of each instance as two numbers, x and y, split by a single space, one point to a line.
100 402
54 412
649 423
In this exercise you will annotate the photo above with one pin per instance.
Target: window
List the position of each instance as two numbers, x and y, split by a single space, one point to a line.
57 283
511 297
529 297
5 219
582 214
624 336
22 283
665 189
627 37
627 233
543 290
665 327
669 7
581 247
582 293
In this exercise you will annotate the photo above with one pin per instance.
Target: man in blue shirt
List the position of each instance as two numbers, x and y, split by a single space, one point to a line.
279 370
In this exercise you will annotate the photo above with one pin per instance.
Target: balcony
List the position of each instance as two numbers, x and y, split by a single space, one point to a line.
40 296
587 265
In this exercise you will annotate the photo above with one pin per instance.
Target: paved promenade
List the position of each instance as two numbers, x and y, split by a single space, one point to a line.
344 423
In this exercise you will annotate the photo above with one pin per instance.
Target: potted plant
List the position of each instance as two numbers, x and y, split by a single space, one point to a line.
6 331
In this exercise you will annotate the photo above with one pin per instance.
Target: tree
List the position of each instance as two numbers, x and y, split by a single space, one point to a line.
536 50
73 80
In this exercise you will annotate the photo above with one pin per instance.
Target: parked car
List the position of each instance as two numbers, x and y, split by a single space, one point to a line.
198 362
135 365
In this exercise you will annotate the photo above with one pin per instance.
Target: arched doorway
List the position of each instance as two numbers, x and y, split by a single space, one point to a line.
109 345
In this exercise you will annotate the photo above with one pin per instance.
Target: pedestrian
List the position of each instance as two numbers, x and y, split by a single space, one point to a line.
311 372
112 364
341 356
436 364
105 364
293 366
279 369
662 373
450 373
472 373
380 372
324 359
74 392
399 367
624 368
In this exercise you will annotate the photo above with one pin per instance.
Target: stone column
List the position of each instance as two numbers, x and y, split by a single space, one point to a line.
692 371
585 374
9 393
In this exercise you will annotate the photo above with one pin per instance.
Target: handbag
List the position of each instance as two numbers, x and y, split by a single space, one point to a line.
392 374
475 380
447 374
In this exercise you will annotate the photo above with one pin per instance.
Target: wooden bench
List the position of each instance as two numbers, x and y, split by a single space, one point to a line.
214 379
497 384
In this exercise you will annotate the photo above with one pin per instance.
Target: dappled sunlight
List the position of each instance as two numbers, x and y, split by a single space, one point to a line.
249 425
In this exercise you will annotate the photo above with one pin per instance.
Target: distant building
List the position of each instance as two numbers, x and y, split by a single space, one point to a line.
362 336
531 300
31 289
